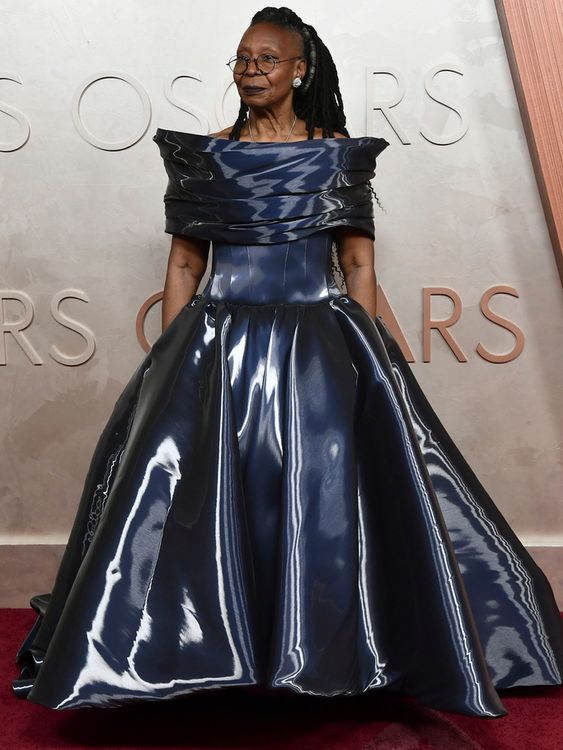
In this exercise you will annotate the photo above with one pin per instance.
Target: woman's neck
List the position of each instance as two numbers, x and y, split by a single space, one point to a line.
273 126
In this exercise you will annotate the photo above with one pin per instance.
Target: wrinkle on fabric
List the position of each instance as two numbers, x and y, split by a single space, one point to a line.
236 191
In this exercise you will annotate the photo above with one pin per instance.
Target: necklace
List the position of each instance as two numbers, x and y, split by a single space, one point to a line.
287 137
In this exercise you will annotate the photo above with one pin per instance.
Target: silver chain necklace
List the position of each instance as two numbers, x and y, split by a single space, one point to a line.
286 139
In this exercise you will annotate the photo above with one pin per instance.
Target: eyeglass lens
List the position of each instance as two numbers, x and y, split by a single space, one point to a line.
265 63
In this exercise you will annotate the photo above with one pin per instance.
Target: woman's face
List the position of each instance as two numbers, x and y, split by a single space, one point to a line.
264 90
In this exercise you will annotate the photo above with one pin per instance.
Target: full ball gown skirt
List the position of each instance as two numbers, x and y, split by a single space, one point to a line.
273 501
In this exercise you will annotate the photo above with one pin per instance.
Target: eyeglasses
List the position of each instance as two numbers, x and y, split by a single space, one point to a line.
264 63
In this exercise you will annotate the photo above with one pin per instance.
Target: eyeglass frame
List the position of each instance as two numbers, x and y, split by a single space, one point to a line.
255 61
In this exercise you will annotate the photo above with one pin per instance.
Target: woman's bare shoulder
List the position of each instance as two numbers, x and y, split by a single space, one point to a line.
318 133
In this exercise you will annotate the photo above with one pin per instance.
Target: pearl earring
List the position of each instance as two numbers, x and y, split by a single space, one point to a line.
296 82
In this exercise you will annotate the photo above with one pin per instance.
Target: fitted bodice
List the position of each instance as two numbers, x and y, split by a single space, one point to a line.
286 272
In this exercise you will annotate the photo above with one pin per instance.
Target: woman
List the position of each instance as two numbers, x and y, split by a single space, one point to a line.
273 501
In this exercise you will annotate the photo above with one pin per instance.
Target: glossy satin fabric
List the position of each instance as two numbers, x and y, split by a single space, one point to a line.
223 191
274 501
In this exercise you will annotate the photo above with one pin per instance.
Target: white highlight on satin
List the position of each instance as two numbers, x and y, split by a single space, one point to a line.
460 640
520 576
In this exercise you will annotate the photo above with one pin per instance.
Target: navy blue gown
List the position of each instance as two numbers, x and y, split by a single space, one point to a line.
273 501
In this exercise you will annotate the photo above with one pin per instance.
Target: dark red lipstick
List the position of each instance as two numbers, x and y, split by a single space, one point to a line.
253 89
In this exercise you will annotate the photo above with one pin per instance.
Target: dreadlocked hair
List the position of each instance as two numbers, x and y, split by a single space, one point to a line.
318 100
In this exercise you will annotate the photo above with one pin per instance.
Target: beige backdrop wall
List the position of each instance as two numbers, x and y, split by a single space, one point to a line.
82 235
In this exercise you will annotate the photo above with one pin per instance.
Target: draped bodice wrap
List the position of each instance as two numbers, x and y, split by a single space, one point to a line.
266 193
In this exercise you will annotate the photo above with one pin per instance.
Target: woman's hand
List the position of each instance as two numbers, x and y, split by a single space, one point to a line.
356 255
186 265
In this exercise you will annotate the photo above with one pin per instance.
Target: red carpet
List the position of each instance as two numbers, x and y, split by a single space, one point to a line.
244 720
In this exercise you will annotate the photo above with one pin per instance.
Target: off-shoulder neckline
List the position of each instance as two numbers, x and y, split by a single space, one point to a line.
216 139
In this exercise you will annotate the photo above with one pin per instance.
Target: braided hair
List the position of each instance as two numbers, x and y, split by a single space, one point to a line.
318 100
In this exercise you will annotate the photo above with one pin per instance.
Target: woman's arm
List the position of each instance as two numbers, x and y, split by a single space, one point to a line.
356 255
186 265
